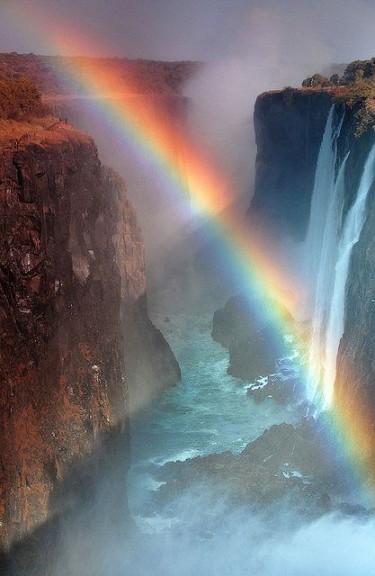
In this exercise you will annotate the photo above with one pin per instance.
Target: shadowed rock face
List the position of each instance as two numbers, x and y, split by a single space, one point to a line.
288 128
254 345
72 306
286 464
355 379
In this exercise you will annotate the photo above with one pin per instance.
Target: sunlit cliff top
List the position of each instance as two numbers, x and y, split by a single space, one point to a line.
47 72
44 130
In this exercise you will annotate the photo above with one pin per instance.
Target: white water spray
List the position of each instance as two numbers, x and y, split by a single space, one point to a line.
323 184
329 245
349 237
321 248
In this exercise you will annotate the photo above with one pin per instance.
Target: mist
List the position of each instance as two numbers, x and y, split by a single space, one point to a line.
320 547
246 47
212 538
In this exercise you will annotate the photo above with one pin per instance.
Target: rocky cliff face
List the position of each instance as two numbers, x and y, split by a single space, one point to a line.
355 378
159 208
72 299
289 126
355 383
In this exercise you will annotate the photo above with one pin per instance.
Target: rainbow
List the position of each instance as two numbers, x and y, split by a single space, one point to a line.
157 137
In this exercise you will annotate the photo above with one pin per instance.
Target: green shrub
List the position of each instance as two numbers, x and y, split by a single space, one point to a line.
355 89
361 96
316 81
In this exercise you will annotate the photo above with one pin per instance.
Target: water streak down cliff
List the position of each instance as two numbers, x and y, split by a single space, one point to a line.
333 231
337 215
73 328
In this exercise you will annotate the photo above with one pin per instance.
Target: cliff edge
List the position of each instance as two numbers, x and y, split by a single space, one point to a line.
73 315
288 125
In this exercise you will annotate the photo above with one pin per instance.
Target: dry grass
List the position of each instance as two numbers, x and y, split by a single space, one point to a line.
45 130
49 72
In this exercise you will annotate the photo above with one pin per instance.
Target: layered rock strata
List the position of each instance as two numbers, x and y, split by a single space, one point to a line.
73 314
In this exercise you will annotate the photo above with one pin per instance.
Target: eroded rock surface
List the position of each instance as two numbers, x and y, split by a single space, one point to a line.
289 126
73 315
253 343
287 465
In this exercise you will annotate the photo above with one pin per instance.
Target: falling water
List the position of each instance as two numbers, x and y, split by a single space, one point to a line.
349 237
321 247
328 247
320 351
323 183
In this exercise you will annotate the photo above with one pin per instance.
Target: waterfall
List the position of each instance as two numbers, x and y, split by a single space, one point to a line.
349 237
321 248
328 247
321 353
321 230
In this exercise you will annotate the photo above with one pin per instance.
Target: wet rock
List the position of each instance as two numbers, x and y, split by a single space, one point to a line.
282 389
254 345
286 463
288 137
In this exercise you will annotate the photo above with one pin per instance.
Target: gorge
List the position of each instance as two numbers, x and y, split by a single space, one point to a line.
218 460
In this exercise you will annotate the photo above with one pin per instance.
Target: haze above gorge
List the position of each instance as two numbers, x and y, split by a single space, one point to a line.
250 47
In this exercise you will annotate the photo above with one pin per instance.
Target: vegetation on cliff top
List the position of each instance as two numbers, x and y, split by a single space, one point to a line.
20 99
355 88
28 82
144 76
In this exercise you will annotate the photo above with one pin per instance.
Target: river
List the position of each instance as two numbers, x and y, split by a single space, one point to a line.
207 412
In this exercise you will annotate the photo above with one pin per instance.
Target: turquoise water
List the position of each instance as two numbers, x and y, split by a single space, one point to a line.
207 412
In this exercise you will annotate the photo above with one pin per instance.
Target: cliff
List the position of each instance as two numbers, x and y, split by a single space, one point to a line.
73 327
355 382
146 76
288 127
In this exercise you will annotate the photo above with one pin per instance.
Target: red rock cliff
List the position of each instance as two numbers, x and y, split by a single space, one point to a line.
72 298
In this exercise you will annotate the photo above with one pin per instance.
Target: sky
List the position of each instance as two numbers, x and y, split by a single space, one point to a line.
292 32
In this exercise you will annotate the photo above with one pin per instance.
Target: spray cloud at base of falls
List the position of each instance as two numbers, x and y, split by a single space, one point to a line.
331 235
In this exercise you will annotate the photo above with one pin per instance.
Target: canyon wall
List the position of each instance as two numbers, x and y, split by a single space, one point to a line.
355 384
289 127
74 329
